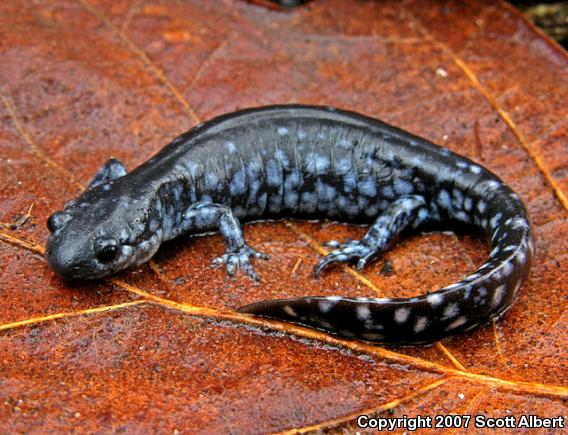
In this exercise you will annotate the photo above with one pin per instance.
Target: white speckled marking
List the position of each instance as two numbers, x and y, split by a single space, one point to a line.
326 305
420 324
363 312
493 185
519 223
231 147
435 299
445 200
475 169
290 311
451 310
507 268
401 315
498 295
495 220
456 323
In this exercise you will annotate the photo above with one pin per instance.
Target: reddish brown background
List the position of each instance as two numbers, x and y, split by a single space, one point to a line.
159 347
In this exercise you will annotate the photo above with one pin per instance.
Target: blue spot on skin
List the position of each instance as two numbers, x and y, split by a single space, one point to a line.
177 192
462 216
292 180
254 169
211 180
261 201
495 220
445 200
192 168
326 192
310 163
282 131
370 161
475 169
352 210
231 147
238 184
362 202
372 210
457 202
291 199
388 192
281 155
322 163
275 203
301 134
403 187
349 182
368 188
423 214
342 166
417 161
273 173
343 202
308 204
206 198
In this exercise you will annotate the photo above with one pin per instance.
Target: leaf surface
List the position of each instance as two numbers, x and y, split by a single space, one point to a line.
160 347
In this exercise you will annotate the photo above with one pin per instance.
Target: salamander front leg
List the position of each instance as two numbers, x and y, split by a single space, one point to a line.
110 171
400 214
204 216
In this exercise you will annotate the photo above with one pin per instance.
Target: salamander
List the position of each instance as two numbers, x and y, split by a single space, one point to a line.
306 162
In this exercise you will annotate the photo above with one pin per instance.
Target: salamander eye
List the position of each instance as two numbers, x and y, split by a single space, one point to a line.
106 249
57 220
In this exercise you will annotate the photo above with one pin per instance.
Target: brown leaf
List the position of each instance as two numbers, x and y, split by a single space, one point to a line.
160 347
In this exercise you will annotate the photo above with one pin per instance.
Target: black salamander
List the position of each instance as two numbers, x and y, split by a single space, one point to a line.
305 161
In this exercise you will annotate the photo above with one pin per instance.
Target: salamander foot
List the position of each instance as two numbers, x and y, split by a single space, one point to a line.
347 252
240 260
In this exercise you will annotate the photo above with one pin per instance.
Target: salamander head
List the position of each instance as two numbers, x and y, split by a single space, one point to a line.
101 232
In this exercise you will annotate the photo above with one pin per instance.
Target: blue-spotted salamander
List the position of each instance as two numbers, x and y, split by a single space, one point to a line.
306 162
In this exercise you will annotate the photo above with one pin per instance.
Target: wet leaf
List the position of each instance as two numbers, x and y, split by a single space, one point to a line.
160 347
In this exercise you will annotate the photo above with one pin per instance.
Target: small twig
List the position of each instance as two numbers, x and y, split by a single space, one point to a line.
295 268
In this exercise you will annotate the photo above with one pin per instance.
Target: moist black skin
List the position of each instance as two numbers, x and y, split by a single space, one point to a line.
305 162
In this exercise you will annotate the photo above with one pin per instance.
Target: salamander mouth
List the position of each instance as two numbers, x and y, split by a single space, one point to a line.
147 248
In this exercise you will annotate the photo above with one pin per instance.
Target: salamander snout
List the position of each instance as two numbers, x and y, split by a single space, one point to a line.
64 259
74 253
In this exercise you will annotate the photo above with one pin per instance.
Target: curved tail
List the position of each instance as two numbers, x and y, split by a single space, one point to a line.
473 301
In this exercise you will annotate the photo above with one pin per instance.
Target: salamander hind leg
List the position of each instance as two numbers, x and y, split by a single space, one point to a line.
406 211
205 216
